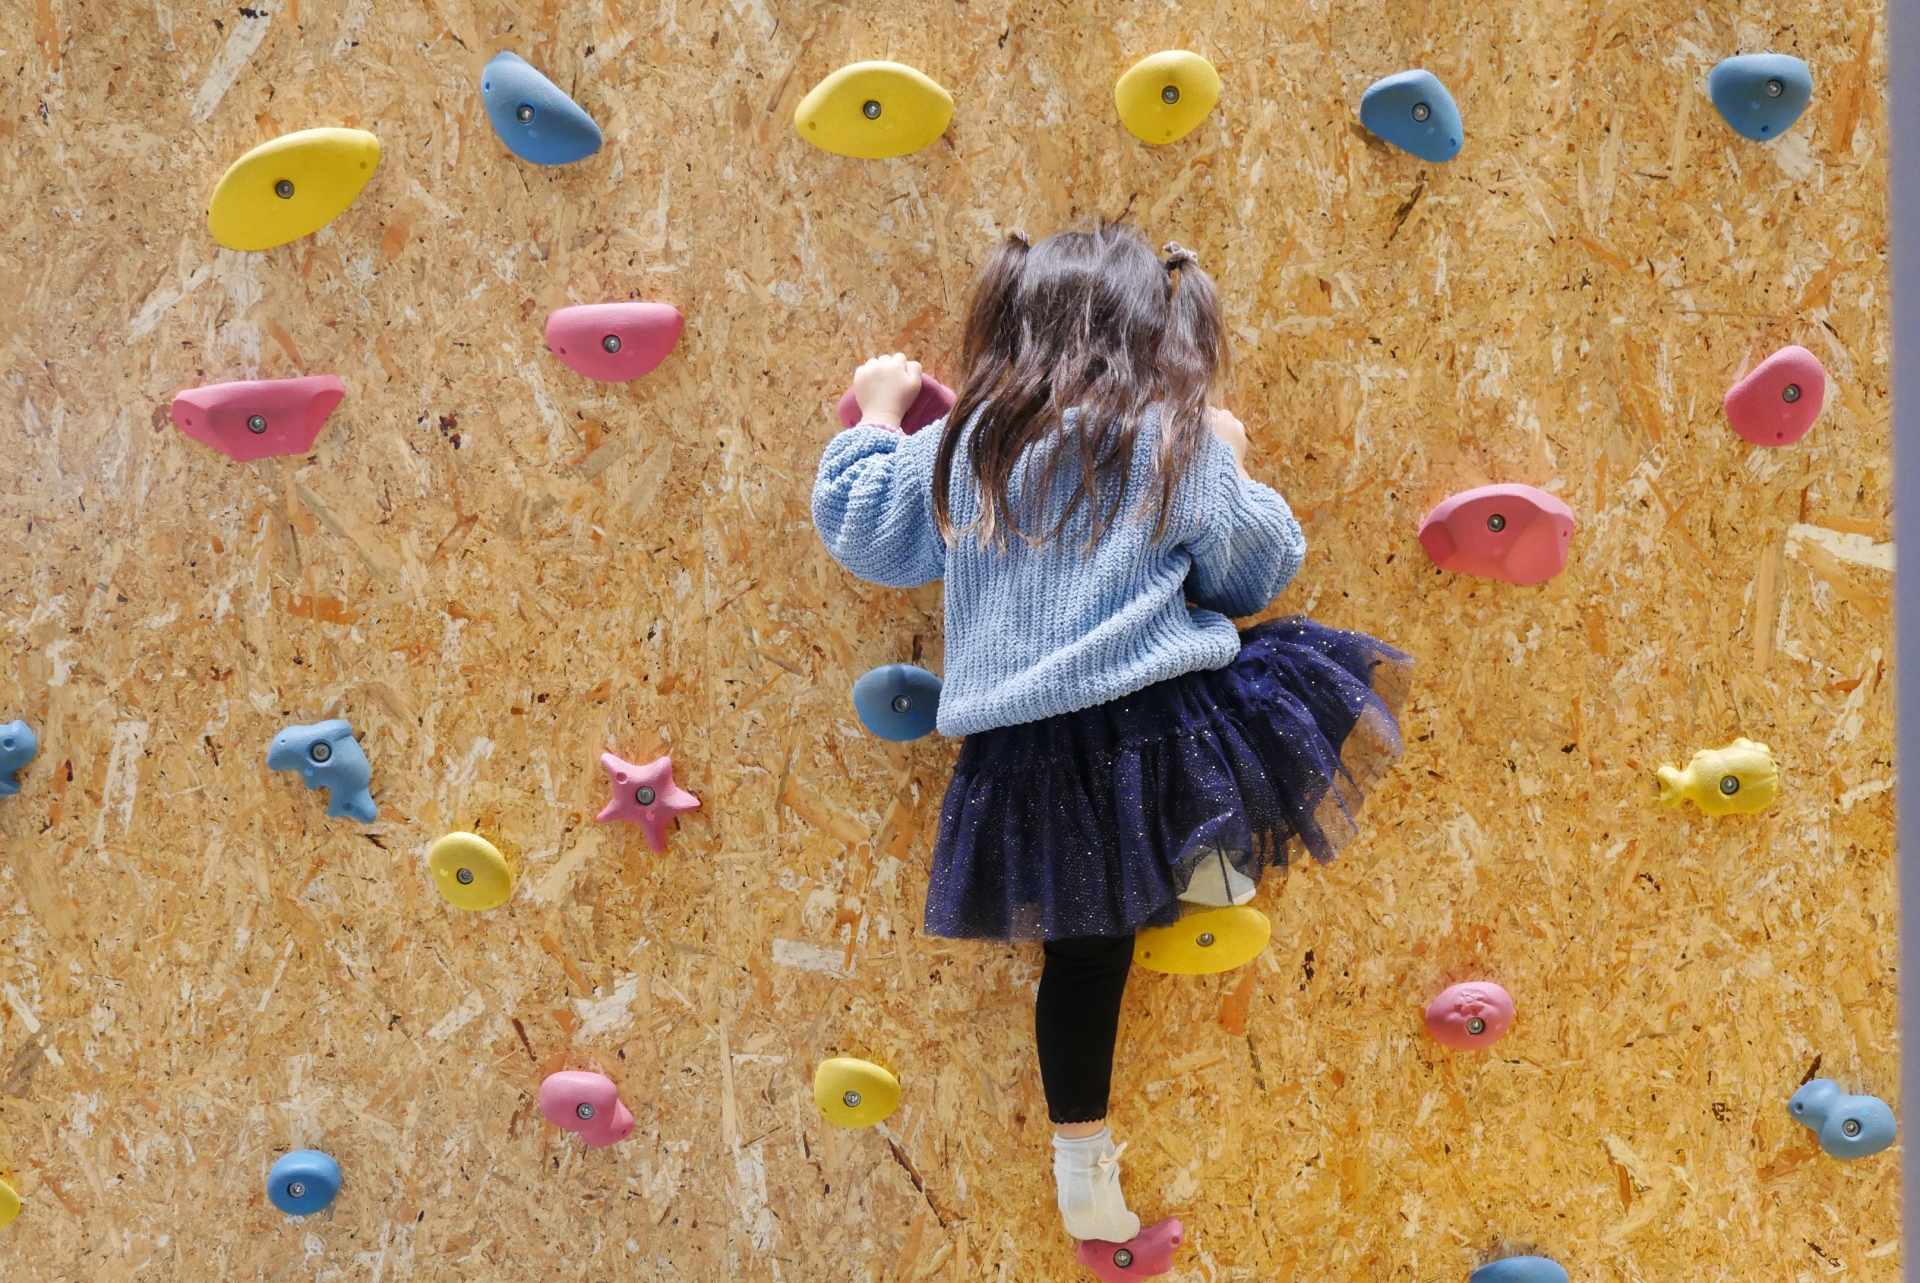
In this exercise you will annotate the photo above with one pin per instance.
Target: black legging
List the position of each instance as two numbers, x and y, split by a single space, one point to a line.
1076 1021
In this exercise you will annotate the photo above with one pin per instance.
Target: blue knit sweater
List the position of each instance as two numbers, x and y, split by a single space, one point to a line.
1035 632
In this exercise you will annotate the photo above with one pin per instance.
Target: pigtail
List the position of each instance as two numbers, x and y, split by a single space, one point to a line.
1189 359
987 353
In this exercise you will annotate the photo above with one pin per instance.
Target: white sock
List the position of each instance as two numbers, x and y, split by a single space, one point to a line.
1086 1175
1216 883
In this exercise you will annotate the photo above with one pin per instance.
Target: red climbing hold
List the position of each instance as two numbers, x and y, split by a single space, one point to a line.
253 419
614 342
586 1103
1778 402
930 406
1510 532
1146 1254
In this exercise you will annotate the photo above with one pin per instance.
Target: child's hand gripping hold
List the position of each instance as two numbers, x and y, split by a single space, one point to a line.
885 387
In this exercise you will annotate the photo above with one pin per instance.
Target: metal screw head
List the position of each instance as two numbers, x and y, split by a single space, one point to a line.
464 877
1729 784
1206 940
1170 95
643 795
524 114
284 189
256 423
1775 88
1496 523
611 343
903 703
584 1110
1122 1257
1790 393
850 1099
321 751
296 1189
870 109
1422 112
1851 1127
1476 1026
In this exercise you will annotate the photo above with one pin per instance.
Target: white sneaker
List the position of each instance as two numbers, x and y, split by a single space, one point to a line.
1086 1176
1216 883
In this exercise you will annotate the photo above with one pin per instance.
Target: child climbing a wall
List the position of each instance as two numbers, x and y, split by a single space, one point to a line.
1128 754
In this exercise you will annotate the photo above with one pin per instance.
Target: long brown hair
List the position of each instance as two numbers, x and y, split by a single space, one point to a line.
1090 322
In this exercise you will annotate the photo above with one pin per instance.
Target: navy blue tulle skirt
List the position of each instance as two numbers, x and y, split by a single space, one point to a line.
1093 823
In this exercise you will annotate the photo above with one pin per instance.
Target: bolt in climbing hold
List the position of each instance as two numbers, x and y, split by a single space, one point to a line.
1790 393
464 877
1777 403
303 1182
1470 1016
1123 1258
584 1110
1204 940
283 189
1729 785
1775 87
1422 112
525 114
611 343
234 418
1851 1127
654 800
1528 545
1164 97
878 700
488 881
1496 523
321 751
1740 778
851 1100
328 756
1170 95
643 795
842 114
290 187
850 1092
902 704
256 423
1476 1026
614 342
296 1189
532 116
587 1104
870 109
1413 111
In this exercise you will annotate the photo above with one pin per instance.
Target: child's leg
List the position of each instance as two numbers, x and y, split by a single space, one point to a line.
1076 1023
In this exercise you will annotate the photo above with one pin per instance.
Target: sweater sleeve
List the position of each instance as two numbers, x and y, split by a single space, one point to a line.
1246 546
873 505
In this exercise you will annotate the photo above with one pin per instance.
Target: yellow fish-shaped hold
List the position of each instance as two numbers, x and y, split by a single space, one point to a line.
1205 942
874 110
291 187
854 1093
1164 96
1736 780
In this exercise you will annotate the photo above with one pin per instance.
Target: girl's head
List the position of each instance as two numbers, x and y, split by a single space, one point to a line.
1092 321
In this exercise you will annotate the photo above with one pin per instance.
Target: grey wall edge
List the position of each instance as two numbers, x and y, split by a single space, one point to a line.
1903 77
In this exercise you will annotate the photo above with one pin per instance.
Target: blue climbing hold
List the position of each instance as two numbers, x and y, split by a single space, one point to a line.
1520 1269
17 747
533 117
303 1182
328 756
1761 94
1413 111
897 702
1848 1126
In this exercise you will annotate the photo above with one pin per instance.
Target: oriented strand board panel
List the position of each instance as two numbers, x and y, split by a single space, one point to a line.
496 570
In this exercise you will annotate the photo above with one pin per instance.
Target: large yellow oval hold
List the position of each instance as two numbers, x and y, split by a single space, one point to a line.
291 187
854 1093
469 872
1165 95
1203 943
9 1204
874 110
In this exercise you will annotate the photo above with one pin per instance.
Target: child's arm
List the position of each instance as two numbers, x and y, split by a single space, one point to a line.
873 493
1247 546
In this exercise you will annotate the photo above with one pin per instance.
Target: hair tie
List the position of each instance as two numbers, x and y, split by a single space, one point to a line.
1018 235
1178 256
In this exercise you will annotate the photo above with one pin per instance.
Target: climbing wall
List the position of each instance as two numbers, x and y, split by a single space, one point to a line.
496 569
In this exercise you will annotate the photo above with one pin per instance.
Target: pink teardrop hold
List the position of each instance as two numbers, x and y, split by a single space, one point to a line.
562 1094
1148 1253
294 409
1513 533
930 406
1450 1016
1758 408
646 332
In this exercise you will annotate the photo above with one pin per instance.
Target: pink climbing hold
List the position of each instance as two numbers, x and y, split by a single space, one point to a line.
646 795
588 1104
1778 402
935 399
1513 533
1470 1016
1146 1254
614 342
256 418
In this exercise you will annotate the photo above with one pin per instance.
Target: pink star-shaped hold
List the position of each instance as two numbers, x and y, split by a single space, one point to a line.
646 795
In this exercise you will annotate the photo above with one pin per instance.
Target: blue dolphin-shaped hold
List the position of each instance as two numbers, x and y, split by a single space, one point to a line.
1761 94
328 756
533 117
1848 1126
1413 111
17 747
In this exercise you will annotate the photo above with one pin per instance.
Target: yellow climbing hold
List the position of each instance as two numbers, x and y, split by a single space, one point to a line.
1165 95
854 1093
1738 779
1205 942
874 110
291 187
9 1204
470 872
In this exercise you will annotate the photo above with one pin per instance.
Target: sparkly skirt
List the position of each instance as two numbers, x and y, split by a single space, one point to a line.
1092 823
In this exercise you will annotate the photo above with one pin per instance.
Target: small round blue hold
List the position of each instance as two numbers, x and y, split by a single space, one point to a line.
897 702
1520 1269
1761 94
303 1182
